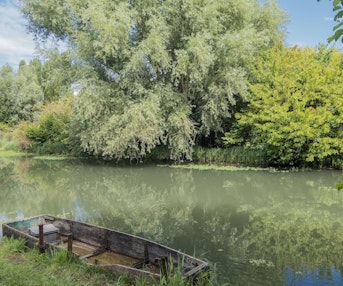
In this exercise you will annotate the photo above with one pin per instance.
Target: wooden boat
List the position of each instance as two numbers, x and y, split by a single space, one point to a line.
120 252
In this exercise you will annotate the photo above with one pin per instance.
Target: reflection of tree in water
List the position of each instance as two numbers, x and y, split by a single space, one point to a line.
13 193
155 205
155 208
297 228
298 242
40 186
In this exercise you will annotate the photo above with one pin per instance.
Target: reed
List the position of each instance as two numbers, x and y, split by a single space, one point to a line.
234 155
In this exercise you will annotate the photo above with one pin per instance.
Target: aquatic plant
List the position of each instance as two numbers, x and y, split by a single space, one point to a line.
339 186
261 263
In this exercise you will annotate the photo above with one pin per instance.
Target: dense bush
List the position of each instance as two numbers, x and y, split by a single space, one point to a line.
51 133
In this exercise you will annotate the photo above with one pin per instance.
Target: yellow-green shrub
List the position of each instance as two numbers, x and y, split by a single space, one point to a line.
295 111
51 133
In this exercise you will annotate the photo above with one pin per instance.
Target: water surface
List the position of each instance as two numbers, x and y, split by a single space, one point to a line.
255 227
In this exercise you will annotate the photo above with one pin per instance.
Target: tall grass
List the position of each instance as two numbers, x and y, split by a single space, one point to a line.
11 246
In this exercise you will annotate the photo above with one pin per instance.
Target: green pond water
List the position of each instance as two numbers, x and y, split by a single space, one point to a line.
255 227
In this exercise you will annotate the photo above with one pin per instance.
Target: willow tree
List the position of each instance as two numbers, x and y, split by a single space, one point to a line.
158 72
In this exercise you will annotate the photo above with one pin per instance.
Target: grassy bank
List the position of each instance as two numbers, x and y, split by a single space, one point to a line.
22 266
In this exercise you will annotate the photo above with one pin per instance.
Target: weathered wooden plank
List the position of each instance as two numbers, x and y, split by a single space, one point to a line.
89 234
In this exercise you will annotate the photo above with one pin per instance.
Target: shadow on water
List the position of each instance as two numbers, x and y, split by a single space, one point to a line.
257 227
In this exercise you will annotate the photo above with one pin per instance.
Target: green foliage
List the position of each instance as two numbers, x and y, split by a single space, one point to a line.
57 75
4 127
26 93
6 100
132 133
295 113
51 133
156 72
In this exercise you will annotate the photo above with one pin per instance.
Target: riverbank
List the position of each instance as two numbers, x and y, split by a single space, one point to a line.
11 145
217 158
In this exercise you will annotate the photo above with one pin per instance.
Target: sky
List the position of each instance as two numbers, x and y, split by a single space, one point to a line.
15 43
310 24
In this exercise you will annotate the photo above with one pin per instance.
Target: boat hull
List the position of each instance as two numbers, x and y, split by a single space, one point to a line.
119 252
